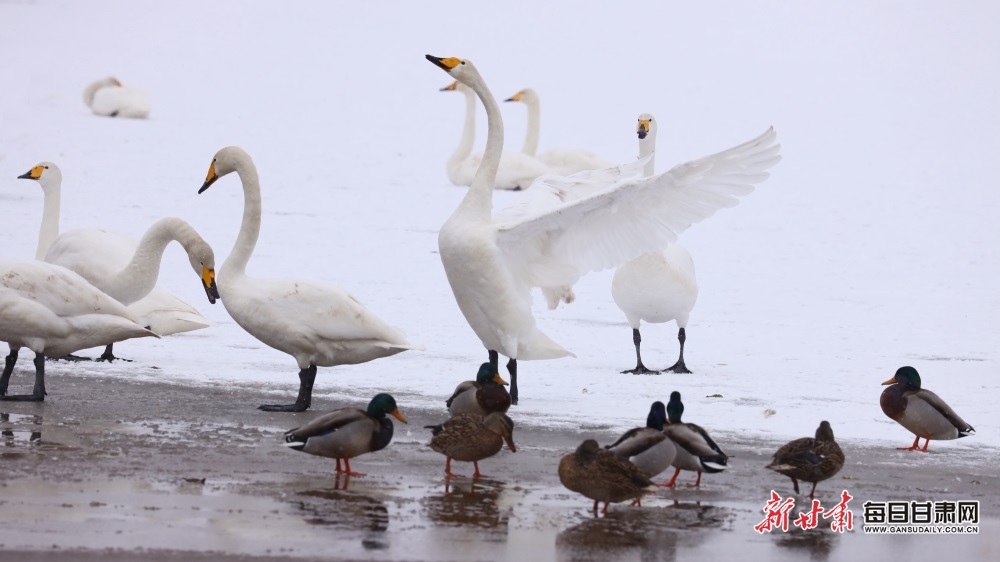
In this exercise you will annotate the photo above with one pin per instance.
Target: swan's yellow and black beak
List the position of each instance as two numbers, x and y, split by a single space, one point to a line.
208 281
497 379
516 97
398 415
446 64
210 179
643 129
32 174
450 87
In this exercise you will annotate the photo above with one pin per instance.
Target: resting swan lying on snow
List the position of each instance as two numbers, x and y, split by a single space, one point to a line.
109 98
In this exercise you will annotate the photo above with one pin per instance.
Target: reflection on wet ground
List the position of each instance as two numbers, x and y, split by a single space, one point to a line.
13 426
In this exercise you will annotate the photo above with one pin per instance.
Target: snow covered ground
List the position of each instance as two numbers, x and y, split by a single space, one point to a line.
872 246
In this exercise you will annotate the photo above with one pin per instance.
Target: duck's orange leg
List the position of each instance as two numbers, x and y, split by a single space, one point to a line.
477 473
672 480
926 443
347 471
911 447
697 483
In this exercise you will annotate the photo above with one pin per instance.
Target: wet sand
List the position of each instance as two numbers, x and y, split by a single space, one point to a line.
115 470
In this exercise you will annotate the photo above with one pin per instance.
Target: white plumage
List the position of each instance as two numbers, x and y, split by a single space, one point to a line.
54 312
565 227
562 161
317 324
109 98
104 258
516 169
657 286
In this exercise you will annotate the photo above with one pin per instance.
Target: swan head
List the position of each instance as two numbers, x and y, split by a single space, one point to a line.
46 174
384 404
226 161
526 95
202 260
488 373
459 69
646 127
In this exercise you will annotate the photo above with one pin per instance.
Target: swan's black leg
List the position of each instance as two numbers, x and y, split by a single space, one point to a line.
640 369
512 370
38 394
494 358
307 377
679 366
109 355
8 368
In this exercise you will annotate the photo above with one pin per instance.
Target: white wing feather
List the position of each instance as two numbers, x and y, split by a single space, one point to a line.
594 220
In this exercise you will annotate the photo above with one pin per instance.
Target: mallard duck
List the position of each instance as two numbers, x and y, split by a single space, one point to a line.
472 438
809 459
482 396
601 475
920 410
648 448
347 432
695 449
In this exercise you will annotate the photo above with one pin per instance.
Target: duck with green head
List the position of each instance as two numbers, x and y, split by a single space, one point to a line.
920 411
601 475
348 432
810 459
482 396
472 438
695 449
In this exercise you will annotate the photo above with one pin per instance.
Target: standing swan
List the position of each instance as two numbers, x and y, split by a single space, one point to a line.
53 311
516 169
99 254
107 97
658 286
562 161
317 324
557 233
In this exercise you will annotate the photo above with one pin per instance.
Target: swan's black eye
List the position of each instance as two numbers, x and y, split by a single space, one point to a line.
46 167
463 62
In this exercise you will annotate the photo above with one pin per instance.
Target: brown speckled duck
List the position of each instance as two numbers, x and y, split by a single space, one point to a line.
921 411
482 396
471 438
347 432
601 475
810 459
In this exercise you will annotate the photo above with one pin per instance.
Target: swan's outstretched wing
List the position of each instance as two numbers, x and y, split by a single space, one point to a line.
558 234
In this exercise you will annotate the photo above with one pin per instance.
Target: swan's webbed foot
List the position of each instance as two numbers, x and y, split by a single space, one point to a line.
678 367
23 398
70 357
640 369
113 114
109 356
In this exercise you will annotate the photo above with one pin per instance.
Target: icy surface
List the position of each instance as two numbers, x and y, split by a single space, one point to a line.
873 245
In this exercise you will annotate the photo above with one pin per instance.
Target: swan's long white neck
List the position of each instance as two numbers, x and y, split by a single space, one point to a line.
236 262
480 194
464 148
49 230
534 126
91 90
138 278
647 146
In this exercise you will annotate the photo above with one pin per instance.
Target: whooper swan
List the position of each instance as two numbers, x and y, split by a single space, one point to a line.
319 325
556 234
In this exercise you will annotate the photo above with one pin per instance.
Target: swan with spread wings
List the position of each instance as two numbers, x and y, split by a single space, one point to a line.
565 227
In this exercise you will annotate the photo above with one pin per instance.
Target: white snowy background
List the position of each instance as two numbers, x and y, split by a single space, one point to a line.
873 245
